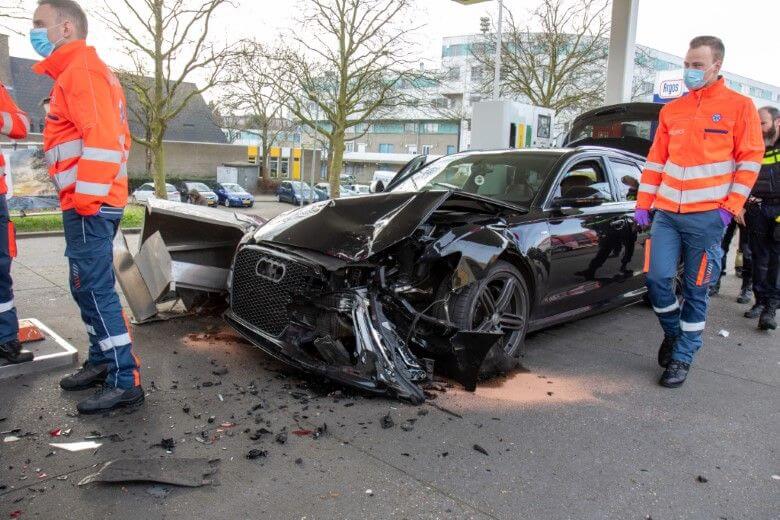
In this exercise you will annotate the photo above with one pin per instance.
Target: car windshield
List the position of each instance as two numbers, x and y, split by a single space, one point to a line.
301 187
515 176
170 188
198 186
233 188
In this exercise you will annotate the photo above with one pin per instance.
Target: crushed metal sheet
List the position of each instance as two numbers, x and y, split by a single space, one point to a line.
176 472
76 446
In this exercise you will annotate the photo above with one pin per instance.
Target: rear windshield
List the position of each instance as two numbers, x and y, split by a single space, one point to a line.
618 129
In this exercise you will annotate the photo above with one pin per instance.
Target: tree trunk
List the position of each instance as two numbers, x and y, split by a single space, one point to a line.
336 161
158 162
266 148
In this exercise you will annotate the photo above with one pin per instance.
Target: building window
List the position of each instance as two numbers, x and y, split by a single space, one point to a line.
285 167
410 128
361 147
350 146
385 148
476 73
450 149
440 103
453 73
427 149
430 128
274 167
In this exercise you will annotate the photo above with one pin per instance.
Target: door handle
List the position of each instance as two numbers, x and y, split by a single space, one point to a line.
618 224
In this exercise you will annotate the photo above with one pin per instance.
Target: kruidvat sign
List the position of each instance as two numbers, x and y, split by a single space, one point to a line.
669 85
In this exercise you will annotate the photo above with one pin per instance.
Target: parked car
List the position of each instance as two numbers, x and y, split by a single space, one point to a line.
146 190
187 187
298 193
231 194
344 190
456 262
361 189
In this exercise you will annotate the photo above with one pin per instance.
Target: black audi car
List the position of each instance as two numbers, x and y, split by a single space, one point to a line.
454 263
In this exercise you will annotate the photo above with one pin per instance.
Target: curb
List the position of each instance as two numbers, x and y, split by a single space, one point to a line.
45 234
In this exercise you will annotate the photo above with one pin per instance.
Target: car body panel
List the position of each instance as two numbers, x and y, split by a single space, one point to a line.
229 195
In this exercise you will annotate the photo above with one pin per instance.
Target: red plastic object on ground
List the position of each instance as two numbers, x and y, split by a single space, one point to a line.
29 332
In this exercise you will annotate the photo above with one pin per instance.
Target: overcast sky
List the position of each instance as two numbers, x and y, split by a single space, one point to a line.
748 27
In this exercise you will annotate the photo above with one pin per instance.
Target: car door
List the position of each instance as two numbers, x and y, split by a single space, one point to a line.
585 267
626 174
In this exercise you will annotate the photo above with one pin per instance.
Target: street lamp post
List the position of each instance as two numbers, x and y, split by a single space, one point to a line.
499 44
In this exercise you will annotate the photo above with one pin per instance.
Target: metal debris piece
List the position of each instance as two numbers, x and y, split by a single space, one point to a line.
723 333
480 449
176 472
76 446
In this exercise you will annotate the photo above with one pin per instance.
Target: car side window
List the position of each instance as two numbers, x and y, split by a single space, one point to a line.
628 176
585 179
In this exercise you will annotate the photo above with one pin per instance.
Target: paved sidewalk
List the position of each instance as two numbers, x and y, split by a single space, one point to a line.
586 433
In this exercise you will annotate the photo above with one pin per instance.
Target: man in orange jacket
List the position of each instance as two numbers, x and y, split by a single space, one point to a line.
704 160
13 124
86 142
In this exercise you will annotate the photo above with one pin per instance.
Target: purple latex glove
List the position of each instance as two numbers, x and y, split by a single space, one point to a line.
725 217
642 218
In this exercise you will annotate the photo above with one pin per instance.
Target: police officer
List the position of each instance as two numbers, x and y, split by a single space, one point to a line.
13 124
86 141
761 216
699 172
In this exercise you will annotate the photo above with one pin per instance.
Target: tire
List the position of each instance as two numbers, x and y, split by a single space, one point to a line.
279 198
468 308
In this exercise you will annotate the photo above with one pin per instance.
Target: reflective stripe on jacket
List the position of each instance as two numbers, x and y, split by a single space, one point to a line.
706 154
86 139
13 124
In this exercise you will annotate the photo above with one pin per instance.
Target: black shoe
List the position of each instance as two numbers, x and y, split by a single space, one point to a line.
675 374
767 319
665 352
109 398
744 296
755 311
714 289
89 375
12 353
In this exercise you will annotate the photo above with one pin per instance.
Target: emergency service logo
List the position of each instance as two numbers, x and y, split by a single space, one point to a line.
715 118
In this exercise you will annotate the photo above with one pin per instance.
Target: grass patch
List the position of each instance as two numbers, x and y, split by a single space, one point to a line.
52 221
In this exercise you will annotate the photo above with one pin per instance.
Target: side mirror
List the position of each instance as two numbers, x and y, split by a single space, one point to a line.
377 187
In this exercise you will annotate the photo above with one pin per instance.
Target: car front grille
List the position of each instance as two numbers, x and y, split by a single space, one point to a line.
262 300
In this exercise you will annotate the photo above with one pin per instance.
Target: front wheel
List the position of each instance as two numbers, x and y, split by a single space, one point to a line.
498 302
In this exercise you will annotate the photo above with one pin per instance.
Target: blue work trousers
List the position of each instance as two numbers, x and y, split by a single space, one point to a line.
695 238
9 324
89 248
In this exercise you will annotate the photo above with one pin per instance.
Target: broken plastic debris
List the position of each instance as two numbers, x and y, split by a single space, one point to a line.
11 438
177 472
76 446
723 333
480 449
302 432
386 422
256 454
370 492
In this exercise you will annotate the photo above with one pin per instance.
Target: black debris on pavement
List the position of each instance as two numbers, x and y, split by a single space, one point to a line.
480 449
256 454
407 426
299 461
221 371
259 433
702 479
281 437
186 409
386 422
166 444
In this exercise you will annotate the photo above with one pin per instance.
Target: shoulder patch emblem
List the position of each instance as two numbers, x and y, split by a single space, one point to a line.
715 118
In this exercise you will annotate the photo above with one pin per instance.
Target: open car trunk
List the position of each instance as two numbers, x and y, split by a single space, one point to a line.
626 126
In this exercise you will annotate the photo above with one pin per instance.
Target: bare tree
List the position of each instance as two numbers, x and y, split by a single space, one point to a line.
168 41
560 63
10 12
254 92
347 68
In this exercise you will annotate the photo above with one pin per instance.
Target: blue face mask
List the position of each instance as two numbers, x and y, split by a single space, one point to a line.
694 78
39 38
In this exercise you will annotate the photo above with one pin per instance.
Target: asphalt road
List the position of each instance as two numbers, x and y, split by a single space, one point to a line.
584 433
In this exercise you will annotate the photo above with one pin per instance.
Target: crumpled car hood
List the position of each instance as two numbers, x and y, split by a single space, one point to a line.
354 228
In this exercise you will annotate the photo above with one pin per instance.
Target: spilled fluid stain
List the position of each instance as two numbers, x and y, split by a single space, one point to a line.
221 337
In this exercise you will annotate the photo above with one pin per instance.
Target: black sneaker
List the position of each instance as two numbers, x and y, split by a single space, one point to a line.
665 352
755 311
109 398
675 374
12 353
88 375
767 319
744 296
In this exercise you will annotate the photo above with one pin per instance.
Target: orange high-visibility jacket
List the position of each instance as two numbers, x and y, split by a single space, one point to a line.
86 139
14 124
706 154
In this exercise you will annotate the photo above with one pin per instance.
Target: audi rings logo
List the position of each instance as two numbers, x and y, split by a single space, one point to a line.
270 269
